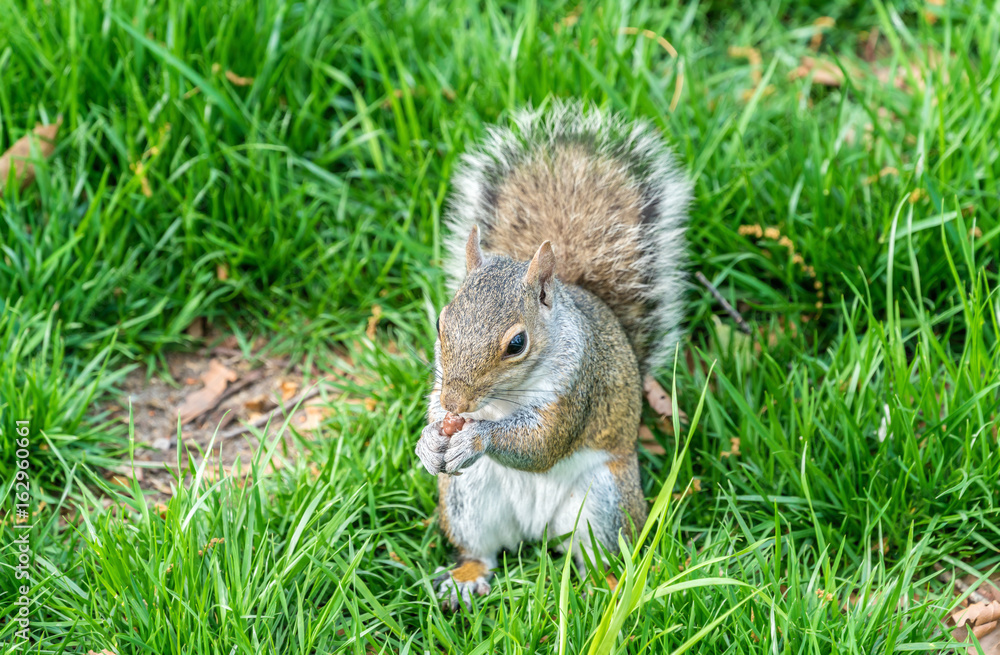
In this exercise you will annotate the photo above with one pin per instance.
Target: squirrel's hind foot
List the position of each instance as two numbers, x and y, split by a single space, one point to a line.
458 584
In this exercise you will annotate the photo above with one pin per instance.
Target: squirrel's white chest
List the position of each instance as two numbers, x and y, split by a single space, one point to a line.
511 506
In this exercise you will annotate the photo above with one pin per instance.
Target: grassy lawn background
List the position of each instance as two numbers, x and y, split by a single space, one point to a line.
305 148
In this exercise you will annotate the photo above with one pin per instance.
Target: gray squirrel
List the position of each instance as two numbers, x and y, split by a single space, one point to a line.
566 261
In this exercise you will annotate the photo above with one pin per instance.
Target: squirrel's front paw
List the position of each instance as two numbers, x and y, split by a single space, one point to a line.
431 448
464 448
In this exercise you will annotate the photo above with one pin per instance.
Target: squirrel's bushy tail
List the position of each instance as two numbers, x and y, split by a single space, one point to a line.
605 191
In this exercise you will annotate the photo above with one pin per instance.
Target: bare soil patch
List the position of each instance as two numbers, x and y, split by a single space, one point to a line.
215 392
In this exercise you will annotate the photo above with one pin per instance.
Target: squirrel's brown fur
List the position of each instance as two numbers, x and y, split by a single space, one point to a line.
544 359
605 192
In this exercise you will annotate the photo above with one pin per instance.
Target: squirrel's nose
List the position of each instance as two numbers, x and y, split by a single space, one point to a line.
453 401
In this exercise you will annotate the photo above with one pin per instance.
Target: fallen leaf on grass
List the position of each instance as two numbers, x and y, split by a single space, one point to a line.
822 23
122 475
288 390
887 170
139 168
930 15
981 619
197 328
259 405
216 378
18 156
734 448
238 80
649 442
373 322
690 490
121 481
977 614
229 343
752 55
311 418
658 398
825 73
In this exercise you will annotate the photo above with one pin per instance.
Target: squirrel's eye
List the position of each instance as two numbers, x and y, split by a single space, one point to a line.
437 325
517 345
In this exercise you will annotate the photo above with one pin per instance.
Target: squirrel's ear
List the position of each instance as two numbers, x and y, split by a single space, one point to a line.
541 271
473 253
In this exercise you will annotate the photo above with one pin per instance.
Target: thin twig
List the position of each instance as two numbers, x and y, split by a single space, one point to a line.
264 418
735 315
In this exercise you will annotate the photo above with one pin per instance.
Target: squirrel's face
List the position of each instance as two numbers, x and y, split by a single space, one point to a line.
492 334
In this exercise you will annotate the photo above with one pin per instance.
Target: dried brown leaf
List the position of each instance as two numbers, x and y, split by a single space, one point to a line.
976 614
823 23
311 418
197 328
288 389
689 490
237 80
658 398
259 405
649 34
122 475
930 15
982 620
649 442
373 321
752 55
825 73
139 168
18 156
216 378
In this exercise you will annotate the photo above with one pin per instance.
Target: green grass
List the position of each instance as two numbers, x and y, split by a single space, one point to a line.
319 189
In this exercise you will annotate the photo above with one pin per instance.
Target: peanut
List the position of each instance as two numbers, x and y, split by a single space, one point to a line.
451 424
